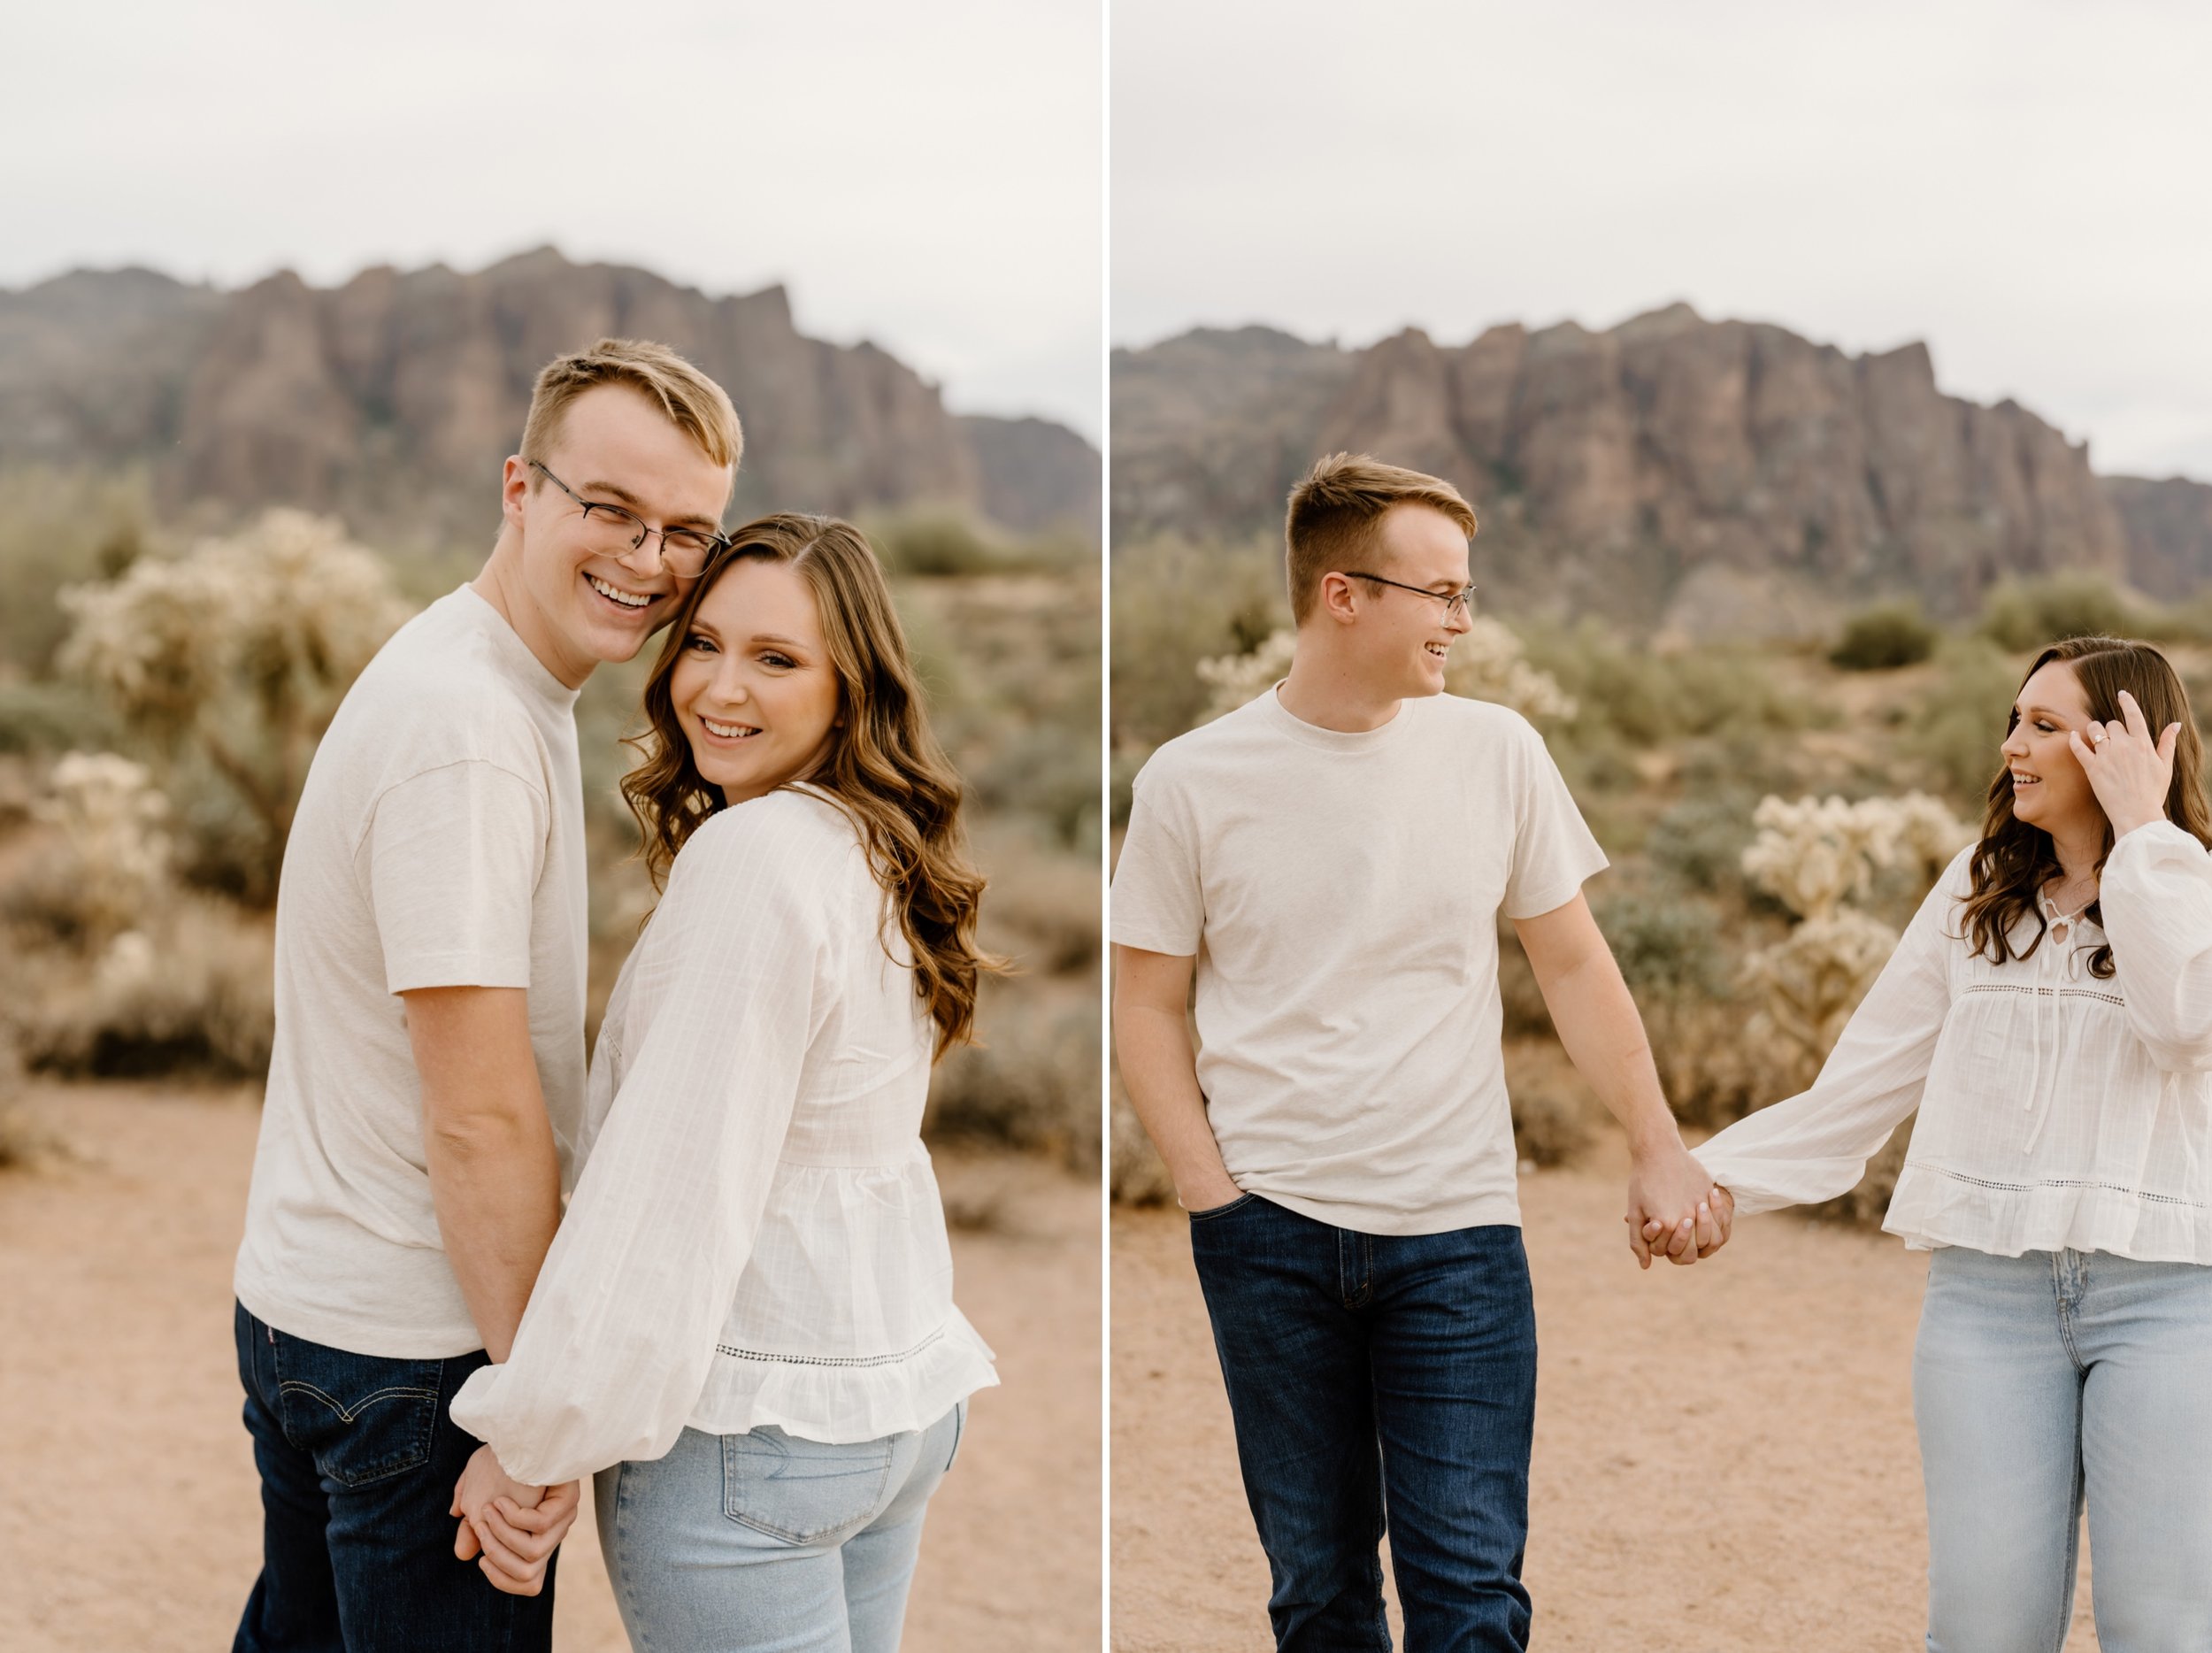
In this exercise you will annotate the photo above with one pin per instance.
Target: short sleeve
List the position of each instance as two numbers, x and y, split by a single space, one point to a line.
1553 849
1158 901
452 857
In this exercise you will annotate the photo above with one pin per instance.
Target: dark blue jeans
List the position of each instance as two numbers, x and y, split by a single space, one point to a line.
1374 1373
357 1458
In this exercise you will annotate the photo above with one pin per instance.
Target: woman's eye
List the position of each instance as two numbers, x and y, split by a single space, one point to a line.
696 642
773 658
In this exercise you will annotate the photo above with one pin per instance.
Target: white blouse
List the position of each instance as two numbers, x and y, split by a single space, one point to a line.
2058 1109
756 1236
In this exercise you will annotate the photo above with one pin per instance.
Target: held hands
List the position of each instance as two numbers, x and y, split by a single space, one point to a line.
1674 1211
509 1528
2128 770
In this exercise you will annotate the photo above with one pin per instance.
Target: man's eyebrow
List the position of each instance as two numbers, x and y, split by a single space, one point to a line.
637 505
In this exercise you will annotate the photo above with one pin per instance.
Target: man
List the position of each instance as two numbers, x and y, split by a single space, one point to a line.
1330 860
428 1072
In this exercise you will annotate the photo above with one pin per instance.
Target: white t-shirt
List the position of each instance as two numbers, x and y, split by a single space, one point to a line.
439 842
1340 894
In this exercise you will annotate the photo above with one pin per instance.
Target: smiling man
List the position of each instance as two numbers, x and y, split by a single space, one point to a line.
428 1072
1329 862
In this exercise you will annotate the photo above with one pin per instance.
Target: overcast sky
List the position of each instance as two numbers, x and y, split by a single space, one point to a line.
2022 185
926 176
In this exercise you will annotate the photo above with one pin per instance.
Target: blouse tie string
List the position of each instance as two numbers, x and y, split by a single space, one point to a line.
2058 931
2066 966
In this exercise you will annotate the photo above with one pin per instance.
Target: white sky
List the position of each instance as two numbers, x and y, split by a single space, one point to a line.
927 176
2020 184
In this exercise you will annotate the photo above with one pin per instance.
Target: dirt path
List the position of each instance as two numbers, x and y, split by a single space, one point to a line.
129 1517
1724 1455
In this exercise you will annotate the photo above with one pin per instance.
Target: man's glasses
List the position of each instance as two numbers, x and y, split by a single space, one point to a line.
614 533
1455 602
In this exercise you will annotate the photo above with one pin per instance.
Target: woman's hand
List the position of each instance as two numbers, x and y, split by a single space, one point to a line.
509 1528
2128 772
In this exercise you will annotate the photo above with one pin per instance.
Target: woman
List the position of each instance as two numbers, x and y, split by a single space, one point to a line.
745 1323
2049 1011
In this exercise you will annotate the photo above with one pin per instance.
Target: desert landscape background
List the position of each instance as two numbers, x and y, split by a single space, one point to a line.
218 503
1768 602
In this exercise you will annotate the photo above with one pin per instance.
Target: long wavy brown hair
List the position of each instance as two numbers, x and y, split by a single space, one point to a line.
2014 861
883 766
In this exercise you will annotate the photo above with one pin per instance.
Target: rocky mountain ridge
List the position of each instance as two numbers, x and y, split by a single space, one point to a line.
392 398
1709 477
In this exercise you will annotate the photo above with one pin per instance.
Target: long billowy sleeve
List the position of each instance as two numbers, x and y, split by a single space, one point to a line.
615 1346
2155 898
1815 1145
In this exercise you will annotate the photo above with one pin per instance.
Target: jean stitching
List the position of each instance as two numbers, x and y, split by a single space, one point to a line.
622 1530
291 1384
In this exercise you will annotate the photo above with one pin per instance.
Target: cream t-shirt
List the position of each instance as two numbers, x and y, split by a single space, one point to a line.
439 842
1340 895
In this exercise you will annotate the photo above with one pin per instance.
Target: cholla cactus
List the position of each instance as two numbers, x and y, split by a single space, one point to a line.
1816 855
1808 984
1488 664
118 848
256 636
1236 679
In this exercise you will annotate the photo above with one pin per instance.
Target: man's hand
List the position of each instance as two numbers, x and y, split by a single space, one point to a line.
1674 1211
509 1528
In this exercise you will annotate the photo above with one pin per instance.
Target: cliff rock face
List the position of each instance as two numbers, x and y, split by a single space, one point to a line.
2168 524
393 399
1705 475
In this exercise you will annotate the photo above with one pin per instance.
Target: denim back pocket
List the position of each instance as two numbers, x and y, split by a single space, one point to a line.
803 1492
360 1418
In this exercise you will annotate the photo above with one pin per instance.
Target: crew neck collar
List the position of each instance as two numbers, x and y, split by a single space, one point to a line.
1287 722
515 654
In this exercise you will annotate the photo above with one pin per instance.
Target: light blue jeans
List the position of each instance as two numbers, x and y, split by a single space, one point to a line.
2043 1381
767 1543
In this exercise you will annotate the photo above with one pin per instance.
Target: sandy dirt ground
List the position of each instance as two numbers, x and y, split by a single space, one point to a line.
1724 1454
129 1513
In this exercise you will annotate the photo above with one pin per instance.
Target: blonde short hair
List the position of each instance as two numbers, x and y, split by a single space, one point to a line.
1336 511
693 403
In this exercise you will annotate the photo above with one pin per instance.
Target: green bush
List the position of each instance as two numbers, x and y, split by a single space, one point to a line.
2022 616
1883 638
1033 1083
1699 844
1953 735
1175 604
61 528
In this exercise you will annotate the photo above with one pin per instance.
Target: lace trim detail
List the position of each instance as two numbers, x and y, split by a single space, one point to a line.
2066 1182
832 1360
2072 993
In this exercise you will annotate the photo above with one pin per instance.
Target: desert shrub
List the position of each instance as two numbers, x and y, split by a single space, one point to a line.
48 719
1641 699
1952 736
1526 1016
1670 951
61 527
1033 1083
108 863
1699 842
191 991
1884 637
1137 1175
1555 1115
935 544
239 651
1174 604
2024 615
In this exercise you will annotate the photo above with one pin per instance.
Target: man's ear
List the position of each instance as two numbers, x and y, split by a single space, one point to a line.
514 486
1336 598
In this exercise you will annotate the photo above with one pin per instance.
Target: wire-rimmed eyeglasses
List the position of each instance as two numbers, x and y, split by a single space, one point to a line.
685 552
1455 602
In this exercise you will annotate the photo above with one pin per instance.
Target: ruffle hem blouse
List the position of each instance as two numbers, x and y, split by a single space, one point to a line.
2058 1109
756 1236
